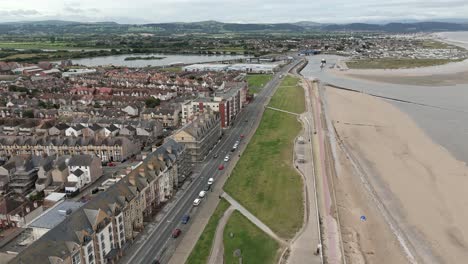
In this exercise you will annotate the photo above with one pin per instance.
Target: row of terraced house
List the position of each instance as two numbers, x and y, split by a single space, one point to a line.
101 230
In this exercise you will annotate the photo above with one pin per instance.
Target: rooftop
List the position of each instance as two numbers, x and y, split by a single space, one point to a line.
55 215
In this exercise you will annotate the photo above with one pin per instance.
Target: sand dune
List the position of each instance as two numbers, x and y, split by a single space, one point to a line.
421 185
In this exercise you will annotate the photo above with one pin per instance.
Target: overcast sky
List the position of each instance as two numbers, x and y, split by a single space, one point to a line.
263 11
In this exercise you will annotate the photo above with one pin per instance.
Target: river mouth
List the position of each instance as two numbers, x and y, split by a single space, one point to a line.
161 59
441 110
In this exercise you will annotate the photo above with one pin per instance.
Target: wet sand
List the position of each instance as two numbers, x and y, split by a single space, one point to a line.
422 187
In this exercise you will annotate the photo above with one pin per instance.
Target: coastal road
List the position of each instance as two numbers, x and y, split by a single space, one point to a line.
155 242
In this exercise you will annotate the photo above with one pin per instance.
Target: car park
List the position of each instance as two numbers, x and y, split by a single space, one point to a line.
176 233
202 194
185 219
196 202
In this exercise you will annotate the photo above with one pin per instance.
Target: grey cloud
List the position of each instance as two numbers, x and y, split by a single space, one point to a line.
19 12
75 10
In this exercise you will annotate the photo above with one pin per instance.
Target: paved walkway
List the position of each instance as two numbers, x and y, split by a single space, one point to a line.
217 250
281 110
252 218
305 243
323 168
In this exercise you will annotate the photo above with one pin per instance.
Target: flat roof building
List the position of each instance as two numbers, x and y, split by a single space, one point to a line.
52 217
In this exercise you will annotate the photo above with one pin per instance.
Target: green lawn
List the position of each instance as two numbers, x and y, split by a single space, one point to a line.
255 246
289 96
389 63
201 251
264 180
171 69
257 81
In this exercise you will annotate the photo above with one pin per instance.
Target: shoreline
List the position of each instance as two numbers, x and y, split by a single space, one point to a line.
419 182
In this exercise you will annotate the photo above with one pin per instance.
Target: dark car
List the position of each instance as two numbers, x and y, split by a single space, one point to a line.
176 233
185 219
215 156
207 188
155 262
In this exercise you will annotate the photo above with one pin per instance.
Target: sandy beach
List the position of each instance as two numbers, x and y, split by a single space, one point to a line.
419 187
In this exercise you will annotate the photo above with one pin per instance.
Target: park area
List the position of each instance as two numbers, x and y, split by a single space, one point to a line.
264 180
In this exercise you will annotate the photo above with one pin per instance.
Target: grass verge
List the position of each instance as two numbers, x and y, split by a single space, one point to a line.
264 180
257 81
396 63
289 96
201 251
255 246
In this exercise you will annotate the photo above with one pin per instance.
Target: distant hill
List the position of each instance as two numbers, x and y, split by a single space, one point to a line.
71 27
399 27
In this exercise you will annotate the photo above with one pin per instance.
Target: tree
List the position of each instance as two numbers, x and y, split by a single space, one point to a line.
152 102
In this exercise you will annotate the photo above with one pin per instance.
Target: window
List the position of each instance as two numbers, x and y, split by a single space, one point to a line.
90 249
76 259
91 258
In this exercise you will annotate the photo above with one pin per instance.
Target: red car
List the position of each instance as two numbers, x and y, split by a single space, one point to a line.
242 136
221 167
110 164
176 233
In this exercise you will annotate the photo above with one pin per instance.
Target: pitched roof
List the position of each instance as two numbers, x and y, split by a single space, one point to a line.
80 160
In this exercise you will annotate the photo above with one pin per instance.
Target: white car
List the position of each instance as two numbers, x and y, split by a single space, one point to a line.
196 202
202 194
226 159
210 181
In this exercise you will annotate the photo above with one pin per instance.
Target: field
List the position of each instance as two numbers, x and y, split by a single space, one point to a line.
201 251
257 81
395 63
255 246
264 180
39 45
171 69
434 44
289 96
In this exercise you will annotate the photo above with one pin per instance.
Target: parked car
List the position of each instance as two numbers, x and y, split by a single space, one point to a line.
156 262
196 202
110 164
202 194
242 136
176 233
215 156
207 188
185 219
221 167
226 159
210 181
